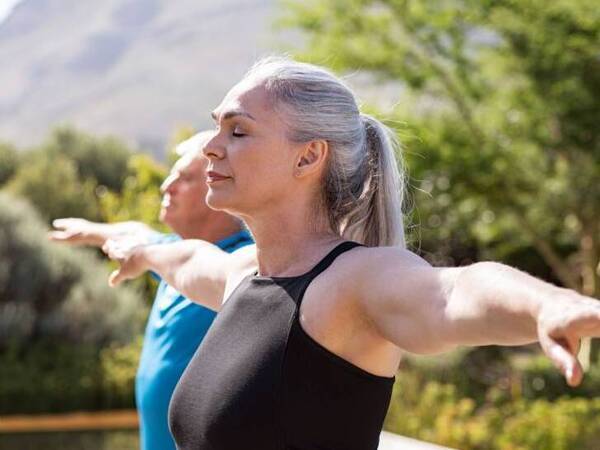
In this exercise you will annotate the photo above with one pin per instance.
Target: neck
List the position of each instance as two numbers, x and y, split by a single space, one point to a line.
288 242
213 227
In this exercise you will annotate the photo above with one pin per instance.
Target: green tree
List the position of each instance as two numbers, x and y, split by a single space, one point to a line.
501 99
140 197
9 162
53 186
101 159
52 291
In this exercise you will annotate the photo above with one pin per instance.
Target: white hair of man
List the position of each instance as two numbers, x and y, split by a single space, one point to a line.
192 147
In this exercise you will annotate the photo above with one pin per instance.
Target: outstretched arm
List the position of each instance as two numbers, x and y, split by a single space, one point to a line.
76 231
424 309
196 268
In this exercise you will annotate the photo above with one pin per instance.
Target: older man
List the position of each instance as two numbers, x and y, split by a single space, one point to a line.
176 325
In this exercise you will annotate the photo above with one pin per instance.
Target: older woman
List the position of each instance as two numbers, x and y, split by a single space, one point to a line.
314 319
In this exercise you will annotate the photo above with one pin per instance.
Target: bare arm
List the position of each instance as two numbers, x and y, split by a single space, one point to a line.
429 310
196 268
76 231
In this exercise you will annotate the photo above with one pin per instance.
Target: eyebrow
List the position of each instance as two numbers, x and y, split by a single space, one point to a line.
231 114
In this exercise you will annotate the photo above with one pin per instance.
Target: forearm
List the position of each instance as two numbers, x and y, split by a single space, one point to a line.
491 303
195 268
77 231
101 232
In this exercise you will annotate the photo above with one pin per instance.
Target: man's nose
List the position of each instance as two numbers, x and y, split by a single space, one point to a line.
168 183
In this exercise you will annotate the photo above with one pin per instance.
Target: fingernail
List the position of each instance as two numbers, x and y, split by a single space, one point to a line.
569 373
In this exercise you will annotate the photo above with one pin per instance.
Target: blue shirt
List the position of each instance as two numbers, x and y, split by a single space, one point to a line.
175 328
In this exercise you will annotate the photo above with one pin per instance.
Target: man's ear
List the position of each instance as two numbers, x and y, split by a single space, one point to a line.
311 158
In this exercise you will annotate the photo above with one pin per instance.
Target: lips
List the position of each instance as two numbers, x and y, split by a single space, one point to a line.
213 177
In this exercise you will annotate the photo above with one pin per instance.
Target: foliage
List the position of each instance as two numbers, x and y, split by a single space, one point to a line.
66 175
501 100
103 160
119 364
9 161
47 376
52 185
72 440
438 412
49 290
140 197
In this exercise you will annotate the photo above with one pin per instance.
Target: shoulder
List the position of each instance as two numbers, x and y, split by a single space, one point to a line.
362 262
368 276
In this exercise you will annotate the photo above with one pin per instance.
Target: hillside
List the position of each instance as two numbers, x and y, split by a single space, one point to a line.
133 68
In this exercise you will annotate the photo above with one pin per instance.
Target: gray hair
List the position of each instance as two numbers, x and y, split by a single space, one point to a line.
363 188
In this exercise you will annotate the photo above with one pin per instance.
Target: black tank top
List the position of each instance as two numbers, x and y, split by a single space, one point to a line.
259 382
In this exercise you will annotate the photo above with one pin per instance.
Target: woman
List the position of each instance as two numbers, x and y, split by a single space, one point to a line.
315 318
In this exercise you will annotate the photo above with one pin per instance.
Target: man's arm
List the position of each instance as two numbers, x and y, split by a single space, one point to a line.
76 231
196 268
423 309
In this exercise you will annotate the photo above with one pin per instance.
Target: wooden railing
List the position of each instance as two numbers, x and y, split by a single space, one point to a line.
129 420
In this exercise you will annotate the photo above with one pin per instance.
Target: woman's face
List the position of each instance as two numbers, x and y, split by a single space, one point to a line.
251 161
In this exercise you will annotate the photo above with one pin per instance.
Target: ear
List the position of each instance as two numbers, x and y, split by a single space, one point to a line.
311 158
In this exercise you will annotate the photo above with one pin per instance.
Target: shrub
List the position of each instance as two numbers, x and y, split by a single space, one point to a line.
52 291
52 185
436 412
50 377
9 161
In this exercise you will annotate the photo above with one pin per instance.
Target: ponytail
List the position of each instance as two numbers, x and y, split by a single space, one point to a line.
376 216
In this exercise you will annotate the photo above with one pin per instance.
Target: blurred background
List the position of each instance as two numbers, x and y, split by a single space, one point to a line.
496 103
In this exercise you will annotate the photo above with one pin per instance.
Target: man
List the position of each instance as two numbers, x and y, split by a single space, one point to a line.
176 325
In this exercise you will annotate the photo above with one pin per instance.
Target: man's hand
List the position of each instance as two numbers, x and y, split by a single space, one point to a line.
128 252
77 231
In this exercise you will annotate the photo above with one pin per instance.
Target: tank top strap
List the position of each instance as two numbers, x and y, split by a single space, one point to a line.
322 266
330 257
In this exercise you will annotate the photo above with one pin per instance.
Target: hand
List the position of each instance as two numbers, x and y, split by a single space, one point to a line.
128 252
76 231
562 322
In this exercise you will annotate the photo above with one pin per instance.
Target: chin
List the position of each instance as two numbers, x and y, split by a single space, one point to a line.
220 201
165 217
162 215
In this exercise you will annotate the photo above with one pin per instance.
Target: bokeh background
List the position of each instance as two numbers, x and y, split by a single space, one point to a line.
496 103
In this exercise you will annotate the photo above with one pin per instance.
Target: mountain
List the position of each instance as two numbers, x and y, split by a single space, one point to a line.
136 69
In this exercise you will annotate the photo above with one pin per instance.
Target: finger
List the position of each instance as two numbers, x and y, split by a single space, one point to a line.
59 236
115 278
107 247
561 355
587 325
62 223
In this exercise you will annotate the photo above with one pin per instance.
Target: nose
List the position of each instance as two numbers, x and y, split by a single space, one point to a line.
213 148
168 184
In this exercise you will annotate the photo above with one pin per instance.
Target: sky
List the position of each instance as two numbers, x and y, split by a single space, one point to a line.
6 7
